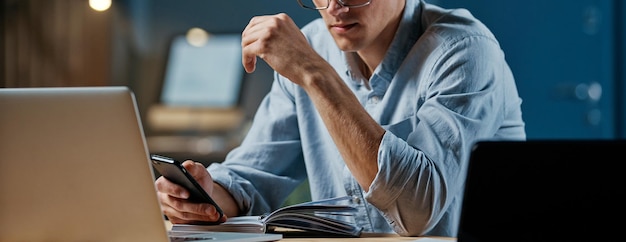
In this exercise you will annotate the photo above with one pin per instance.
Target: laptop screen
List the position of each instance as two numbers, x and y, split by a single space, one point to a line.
543 190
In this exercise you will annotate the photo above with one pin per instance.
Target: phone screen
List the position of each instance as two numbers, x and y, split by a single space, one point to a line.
176 172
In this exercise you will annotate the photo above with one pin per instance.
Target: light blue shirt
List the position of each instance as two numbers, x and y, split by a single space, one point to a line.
443 85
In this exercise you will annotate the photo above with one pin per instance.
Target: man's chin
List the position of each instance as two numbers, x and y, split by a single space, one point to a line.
347 45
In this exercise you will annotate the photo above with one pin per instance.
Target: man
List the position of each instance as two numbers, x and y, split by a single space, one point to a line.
378 99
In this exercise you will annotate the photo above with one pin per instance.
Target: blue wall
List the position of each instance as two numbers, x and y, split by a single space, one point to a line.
155 22
562 53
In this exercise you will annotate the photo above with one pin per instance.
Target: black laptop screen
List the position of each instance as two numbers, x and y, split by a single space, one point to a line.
544 190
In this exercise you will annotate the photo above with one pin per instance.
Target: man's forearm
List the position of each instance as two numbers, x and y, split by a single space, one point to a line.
355 133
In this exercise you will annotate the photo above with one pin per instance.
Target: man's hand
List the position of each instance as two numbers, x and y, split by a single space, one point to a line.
279 42
173 198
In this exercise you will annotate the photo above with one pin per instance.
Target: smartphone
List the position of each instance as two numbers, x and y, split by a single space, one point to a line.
174 171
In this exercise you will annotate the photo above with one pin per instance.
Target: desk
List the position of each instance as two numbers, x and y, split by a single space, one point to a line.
364 237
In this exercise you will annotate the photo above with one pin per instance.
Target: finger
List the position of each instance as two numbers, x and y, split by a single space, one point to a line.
248 55
253 33
249 63
183 210
165 186
168 210
196 169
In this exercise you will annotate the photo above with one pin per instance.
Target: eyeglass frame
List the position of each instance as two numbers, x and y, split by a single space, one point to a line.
340 2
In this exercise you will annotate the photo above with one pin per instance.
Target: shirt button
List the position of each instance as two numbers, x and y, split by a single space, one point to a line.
374 100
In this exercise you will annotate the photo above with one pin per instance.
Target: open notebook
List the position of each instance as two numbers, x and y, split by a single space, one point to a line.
333 217
74 167
545 190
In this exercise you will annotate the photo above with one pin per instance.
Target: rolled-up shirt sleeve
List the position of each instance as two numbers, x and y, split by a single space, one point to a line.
422 160
410 190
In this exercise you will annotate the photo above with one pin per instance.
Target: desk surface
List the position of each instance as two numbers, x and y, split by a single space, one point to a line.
364 237
374 238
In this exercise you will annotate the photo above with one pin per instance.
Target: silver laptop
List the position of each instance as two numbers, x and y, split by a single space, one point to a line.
74 167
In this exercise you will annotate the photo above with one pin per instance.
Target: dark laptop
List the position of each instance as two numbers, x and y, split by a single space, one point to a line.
548 190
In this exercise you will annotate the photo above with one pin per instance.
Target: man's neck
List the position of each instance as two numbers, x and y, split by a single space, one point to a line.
373 55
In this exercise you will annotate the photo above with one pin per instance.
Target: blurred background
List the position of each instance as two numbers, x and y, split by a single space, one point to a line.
181 60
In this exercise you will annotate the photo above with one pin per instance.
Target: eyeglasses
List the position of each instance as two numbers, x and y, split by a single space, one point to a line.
324 4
